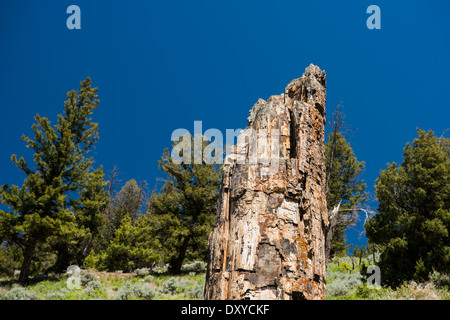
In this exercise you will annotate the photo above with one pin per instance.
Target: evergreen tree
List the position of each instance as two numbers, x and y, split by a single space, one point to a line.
444 143
413 221
90 209
345 187
184 210
129 200
359 253
10 258
74 244
134 246
41 208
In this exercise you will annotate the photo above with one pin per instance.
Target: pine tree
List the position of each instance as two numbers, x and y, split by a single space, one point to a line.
41 208
184 210
128 200
413 221
134 246
89 208
444 143
73 246
345 187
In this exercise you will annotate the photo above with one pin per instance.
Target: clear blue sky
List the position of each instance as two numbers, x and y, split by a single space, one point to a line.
161 65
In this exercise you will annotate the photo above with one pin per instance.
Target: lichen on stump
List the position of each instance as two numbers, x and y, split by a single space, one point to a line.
268 240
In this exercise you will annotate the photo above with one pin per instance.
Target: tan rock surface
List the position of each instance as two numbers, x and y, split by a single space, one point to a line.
268 240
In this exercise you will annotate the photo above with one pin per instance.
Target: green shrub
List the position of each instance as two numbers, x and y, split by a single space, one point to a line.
343 284
364 291
95 261
196 292
134 244
331 275
55 296
89 291
9 262
87 277
160 269
143 292
196 266
128 292
95 285
184 283
19 293
440 280
416 291
149 278
124 293
170 286
64 291
142 272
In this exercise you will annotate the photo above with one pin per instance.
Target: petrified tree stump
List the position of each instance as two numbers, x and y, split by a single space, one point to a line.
268 240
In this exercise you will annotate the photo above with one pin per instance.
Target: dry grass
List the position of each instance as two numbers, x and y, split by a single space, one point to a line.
416 291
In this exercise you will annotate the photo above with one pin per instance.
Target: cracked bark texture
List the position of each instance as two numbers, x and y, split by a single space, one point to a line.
268 240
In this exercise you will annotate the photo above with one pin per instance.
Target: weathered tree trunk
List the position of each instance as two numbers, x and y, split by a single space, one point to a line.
332 223
26 264
268 241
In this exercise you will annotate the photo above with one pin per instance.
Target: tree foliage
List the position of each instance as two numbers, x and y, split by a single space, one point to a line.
44 206
345 187
184 209
128 201
74 245
413 222
133 246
